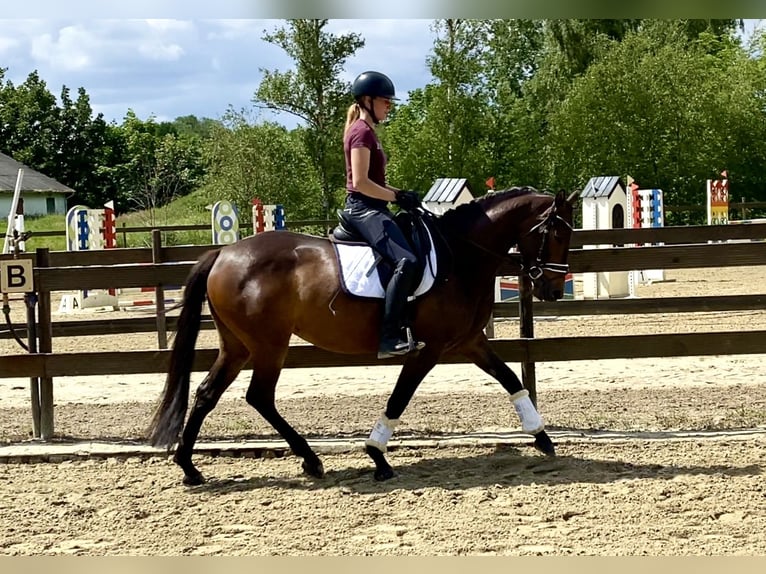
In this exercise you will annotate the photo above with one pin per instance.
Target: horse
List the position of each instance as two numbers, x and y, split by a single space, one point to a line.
265 288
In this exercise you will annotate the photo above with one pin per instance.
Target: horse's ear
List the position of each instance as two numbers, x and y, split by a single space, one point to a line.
572 196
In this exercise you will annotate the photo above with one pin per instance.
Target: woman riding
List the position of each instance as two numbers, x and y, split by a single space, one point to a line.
367 201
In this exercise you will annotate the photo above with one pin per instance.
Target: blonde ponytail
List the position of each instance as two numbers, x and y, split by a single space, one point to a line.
352 114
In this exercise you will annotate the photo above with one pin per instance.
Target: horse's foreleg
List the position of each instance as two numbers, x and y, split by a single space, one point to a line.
531 422
412 374
223 372
262 396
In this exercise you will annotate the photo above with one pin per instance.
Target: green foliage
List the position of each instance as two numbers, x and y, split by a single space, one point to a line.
62 141
156 165
655 111
313 92
246 160
516 116
442 131
28 121
192 209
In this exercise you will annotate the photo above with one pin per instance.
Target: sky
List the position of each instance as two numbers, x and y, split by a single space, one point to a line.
168 68
171 58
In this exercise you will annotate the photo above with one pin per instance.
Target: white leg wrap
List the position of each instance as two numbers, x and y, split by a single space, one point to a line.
381 432
531 421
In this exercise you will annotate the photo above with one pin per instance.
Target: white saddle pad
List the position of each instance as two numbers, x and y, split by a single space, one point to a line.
359 274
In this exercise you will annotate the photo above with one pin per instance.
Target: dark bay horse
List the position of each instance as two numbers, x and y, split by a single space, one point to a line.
265 288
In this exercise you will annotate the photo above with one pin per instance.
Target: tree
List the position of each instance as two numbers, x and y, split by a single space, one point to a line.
443 130
29 122
655 111
153 169
246 160
190 125
581 42
512 60
65 142
313 93
81 145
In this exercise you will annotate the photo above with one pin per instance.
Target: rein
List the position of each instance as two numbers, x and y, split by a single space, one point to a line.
536 270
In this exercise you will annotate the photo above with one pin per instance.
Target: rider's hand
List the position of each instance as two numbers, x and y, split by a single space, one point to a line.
407 200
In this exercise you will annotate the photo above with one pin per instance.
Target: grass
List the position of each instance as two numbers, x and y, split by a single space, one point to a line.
188 210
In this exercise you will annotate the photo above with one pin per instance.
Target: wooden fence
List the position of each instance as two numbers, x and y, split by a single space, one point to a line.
683 247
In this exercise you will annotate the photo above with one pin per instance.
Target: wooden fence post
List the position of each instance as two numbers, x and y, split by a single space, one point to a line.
159 292
489 330
30 300
45 346
527 331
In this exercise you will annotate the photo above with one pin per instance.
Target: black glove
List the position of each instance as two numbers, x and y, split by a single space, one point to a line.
407 200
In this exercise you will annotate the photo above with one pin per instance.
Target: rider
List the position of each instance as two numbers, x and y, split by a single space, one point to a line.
367 201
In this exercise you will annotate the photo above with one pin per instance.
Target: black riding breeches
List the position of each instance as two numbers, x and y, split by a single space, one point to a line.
379 229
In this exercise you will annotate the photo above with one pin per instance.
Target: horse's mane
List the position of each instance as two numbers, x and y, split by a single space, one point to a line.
458 218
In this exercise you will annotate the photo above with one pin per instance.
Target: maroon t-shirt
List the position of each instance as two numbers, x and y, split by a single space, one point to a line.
360 134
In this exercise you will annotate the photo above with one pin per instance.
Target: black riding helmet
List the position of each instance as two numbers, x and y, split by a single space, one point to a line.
375 85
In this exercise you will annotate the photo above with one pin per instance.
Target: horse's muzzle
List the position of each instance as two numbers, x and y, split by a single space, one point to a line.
544 290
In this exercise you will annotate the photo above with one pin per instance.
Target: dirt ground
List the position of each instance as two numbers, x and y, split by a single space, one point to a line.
655 456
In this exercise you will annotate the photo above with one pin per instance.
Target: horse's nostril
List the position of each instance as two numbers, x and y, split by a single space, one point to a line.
558 294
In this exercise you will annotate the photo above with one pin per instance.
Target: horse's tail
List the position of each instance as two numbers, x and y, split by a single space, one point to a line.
168 418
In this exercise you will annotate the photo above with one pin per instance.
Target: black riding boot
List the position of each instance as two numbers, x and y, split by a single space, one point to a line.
393 341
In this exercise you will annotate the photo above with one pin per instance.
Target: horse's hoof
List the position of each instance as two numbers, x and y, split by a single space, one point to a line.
544 444
316 470
194 479
384 474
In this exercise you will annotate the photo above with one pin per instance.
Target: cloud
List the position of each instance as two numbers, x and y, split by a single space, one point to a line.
170 68
165 25
155 50
6 44
235 29
397 48
67 49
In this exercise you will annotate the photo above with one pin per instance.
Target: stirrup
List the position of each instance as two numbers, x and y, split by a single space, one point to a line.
401 347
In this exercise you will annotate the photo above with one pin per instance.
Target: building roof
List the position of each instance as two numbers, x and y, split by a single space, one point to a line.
32 182
602 186
446 190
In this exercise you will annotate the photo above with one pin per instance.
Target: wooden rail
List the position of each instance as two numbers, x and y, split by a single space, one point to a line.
549 349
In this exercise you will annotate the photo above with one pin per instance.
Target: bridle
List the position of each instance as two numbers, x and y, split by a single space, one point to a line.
537 269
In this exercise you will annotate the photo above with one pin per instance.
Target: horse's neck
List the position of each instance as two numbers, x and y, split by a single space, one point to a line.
498 234
474 261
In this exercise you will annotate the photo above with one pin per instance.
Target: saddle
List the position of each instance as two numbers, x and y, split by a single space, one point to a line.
421 236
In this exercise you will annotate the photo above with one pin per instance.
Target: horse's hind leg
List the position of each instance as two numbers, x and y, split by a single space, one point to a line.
262 396
231 358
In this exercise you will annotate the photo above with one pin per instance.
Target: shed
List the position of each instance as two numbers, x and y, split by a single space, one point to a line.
41 194
604 202
447 193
